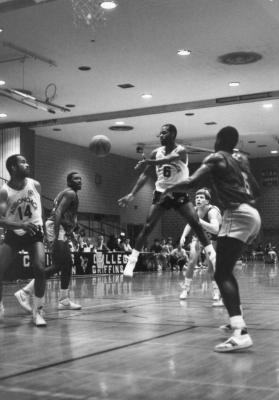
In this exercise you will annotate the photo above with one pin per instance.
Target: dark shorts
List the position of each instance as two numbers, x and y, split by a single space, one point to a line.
178 200
23 242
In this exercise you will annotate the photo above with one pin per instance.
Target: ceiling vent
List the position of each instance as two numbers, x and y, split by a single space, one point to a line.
126 86
121 128
240 58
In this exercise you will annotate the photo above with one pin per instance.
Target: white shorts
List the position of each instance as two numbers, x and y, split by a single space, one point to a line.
242 223
50 232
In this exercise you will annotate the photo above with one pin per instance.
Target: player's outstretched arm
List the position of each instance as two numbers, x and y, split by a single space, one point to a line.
185 233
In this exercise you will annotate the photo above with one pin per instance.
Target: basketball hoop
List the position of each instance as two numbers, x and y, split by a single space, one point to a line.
87 12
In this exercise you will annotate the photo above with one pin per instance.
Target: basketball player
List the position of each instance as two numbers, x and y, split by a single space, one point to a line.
236 188
59 229
171 164
21 216
210 219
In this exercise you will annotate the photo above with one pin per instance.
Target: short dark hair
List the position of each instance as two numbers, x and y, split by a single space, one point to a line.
205 192
12 162
228 137
172 129
70 177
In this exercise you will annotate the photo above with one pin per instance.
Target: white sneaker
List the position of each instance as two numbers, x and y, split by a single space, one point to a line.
38 318
235 343
24 300
129 269
2 312
67 304
218 303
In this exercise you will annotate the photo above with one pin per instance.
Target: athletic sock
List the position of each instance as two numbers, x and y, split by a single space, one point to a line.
29 288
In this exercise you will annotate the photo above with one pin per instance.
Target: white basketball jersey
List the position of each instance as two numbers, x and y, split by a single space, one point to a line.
170 173
24 205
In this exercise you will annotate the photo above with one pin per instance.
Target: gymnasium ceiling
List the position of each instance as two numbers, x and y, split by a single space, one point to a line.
41 50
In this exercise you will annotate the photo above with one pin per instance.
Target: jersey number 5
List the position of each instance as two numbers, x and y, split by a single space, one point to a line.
27 212
167 171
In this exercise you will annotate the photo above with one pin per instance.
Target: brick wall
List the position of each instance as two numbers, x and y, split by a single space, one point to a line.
55 159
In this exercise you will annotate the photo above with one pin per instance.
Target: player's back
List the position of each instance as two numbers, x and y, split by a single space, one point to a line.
233 181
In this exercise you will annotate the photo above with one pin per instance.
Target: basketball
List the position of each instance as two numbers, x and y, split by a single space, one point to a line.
100 145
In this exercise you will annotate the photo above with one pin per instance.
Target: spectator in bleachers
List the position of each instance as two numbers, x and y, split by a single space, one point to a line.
112 243
125 246
178 257
101 245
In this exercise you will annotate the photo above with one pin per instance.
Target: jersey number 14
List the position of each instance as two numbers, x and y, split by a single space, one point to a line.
27 212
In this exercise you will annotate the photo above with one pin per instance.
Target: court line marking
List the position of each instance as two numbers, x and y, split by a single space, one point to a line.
97 353
56 395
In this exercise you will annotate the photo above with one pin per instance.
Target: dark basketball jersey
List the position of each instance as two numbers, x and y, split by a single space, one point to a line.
232 180
69 218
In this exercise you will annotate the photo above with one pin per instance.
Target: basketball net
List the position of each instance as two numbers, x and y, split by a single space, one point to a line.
87 12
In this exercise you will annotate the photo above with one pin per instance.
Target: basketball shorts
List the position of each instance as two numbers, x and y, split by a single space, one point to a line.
23 242
177 200
62 235
242 223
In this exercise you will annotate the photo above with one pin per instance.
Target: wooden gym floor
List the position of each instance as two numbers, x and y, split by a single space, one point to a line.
137 340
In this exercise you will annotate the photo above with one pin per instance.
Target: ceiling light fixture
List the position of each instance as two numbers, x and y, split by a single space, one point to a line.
108 5
1 30
3 115
267 105
2 83
234 84
146 96
183 52
119 123
274 151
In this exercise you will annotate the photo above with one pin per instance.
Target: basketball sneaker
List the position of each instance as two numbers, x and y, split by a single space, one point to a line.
38 317
186 286
235 342
24 300
184 294
225 328
67 304
218 303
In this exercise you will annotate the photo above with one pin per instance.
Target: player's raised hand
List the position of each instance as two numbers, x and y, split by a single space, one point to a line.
124 201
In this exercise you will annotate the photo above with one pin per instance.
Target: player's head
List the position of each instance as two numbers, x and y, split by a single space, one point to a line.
167 134
17 166
74 180
226 139
202 197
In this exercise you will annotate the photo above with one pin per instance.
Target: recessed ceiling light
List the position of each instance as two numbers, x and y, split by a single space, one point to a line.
108 5
1 30
57 129
262 145
3 115
183 52
84 68
210 123
70 105
2 83
146 96
119 123
267 105
251 141
234 84
189 114
274 151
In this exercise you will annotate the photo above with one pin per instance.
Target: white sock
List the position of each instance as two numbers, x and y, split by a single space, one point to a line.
237 322
135 254
38 302
29 288
188 282
64 294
